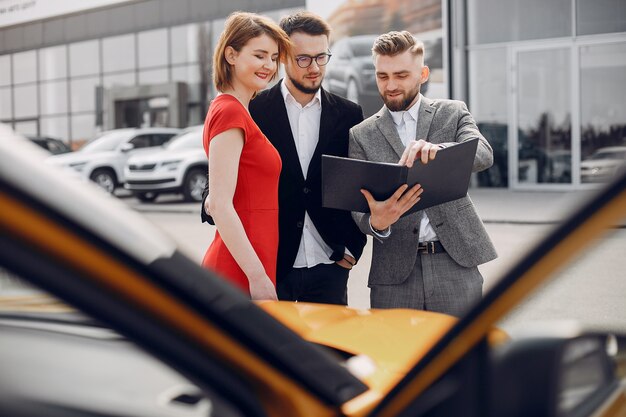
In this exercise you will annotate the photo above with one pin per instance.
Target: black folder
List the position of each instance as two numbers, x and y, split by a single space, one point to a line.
443 179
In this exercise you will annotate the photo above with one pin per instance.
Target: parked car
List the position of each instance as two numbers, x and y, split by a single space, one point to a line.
102 160
135 328
52 145
350 73
180 167
603 164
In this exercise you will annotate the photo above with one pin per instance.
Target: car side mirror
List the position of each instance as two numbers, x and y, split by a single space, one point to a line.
553 376
126 147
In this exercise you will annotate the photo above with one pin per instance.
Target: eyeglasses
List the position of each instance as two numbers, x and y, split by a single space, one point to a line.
305 61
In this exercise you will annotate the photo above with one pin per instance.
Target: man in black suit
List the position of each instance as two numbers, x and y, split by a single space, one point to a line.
317 246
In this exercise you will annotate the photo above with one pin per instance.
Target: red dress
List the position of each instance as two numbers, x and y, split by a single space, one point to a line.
256 193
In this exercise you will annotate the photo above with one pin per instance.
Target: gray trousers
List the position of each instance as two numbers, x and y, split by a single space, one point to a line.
436 283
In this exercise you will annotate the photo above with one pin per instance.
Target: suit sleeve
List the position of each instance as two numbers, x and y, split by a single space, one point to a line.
355 150
466 130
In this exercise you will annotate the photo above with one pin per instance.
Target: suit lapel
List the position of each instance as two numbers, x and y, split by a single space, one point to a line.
388 128
283 137
424 118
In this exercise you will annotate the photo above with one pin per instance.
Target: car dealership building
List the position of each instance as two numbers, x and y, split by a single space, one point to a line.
545 80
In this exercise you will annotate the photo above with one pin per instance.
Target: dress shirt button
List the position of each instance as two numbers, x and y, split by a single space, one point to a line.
306 190
299 224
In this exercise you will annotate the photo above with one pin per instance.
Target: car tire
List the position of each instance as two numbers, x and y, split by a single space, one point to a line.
105 178
194 184
146 197
352 91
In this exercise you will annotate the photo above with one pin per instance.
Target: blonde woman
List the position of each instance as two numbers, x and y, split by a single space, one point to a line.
244 167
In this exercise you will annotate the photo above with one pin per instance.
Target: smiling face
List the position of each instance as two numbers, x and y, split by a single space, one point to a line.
307 80
255 64
399 78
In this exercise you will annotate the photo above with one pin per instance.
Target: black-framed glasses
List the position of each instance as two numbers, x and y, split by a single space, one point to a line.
305 61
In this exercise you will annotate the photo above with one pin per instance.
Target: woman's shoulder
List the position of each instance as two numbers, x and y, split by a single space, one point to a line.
226 102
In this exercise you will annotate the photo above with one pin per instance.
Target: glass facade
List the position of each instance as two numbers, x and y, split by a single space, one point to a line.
546 82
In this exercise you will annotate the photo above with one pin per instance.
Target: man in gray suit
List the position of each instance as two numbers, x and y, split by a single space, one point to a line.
426 260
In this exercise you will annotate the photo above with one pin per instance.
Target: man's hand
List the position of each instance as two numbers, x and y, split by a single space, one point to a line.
385 213
419 149
347 262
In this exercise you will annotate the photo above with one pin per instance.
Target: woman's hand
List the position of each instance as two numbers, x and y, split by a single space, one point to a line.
262 288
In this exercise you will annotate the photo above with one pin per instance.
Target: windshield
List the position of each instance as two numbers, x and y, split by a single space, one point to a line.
189 140
106 142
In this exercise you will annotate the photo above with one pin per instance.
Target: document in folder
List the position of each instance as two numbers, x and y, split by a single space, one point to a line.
443 179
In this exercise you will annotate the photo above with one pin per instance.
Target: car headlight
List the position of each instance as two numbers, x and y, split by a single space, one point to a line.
170 165
78 166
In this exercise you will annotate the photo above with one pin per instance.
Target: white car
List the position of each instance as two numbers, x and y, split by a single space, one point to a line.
102 160
180 167
603 164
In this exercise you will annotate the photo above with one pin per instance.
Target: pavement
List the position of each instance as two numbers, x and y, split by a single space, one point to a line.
494 205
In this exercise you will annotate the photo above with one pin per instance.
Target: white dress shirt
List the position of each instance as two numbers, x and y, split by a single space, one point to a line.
305 127
406 125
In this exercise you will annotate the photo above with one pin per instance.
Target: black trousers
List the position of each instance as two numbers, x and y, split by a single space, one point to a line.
323 283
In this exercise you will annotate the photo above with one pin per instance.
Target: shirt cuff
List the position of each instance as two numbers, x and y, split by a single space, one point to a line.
383 234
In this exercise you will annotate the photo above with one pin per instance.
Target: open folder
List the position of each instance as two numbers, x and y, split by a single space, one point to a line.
443 179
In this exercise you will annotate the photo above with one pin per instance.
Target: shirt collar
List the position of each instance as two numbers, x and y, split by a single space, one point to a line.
413 111
288 97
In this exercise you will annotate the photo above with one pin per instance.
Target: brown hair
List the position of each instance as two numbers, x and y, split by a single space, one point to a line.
239 28
394 43
305 22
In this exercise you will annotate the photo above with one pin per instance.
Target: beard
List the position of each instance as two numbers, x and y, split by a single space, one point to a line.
305 89
402 104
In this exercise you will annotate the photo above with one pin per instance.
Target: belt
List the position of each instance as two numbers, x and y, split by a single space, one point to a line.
425 248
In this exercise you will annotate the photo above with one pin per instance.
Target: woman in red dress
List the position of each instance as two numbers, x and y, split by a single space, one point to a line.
243 165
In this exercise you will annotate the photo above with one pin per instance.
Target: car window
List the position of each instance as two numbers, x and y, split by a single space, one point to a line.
160 139
57 147
142 141
362 47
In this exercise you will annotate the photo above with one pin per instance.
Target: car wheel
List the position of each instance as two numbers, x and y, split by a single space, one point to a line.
146 197
352 92
105 178
194 184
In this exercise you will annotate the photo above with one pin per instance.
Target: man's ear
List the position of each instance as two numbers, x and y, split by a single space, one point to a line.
230 54
425 74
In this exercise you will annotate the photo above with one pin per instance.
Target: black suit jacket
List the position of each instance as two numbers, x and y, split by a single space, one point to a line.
297 195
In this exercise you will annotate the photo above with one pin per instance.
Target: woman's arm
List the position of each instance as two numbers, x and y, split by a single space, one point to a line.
224 154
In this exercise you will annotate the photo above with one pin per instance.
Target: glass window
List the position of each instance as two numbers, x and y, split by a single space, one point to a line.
153 48
121 79
52 63
189 74
84 94
185 43
27 127
156 76
544 117
603 115
600 16
25 67
5 70
56 127
85 58
25 97
53 96
83 127
118 53
6 111
142 141
512 20
488 100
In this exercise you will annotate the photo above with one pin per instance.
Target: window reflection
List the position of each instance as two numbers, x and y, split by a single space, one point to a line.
603 116
53 97
154 76
118 53
544 120
5 70
5 103
25 67
185 43
488 99
52 63
56 127
153 48
25 97
600 16
84 94
84 58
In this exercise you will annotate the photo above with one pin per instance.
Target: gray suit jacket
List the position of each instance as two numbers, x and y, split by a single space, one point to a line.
456 223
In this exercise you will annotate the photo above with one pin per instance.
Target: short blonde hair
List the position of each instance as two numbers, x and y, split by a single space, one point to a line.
394 43
239 28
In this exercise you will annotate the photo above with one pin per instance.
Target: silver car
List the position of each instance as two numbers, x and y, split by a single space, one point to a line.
102 160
